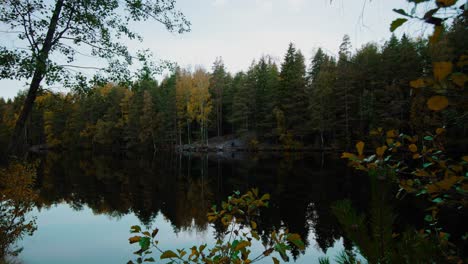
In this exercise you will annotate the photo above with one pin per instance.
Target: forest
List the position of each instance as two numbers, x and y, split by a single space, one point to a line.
323 102
354 157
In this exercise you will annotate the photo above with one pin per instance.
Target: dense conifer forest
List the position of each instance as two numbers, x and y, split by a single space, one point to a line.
324 102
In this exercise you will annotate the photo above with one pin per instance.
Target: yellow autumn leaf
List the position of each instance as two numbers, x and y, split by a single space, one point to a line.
168 254
241 245
409 182
441 69
134 239
275 260
380 151
294 237
392 133
253 224
419 83
389 141
459 79
440 131
194 252
416 156
443 185
465 158
347 155
413 148
360 147
437 103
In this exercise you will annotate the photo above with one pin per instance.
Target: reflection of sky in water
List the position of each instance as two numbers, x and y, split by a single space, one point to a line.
68 236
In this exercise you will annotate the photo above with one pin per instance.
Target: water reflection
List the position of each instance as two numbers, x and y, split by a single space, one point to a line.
183 188
16 201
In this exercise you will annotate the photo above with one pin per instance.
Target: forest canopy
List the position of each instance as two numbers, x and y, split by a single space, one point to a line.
325 101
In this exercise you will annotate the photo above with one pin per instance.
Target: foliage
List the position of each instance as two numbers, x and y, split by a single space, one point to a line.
239 216
16 201
420 164
330 105
95 26
57 33
375 234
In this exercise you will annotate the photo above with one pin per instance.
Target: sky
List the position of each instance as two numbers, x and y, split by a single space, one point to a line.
242 30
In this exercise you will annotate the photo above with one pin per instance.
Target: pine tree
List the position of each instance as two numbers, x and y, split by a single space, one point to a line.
217 87
241 111
267 77
292 92
343 94
315 66
321 98
149 121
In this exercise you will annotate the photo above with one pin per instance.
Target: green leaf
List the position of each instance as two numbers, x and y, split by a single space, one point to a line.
168 254
425 165
423 191
401 12
397 23
144 242
437 200
234 243
150 260
370 158
428 218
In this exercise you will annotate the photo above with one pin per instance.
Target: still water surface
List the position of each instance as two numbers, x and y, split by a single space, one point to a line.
88 202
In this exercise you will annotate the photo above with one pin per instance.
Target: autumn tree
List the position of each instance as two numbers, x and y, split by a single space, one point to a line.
183 90
200 105
61 30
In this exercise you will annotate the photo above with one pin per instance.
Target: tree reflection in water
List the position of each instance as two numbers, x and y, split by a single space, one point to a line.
184 187
17 199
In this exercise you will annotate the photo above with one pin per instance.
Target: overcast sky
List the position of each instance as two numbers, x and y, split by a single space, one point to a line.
242 30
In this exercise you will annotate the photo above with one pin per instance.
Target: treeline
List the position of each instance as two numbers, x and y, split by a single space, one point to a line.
327 102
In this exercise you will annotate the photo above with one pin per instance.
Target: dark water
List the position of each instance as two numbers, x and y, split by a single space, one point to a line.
88 202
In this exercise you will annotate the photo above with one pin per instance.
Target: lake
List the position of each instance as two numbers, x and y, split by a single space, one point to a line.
87 202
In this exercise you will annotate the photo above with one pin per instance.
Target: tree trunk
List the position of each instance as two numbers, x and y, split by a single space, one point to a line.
38 76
